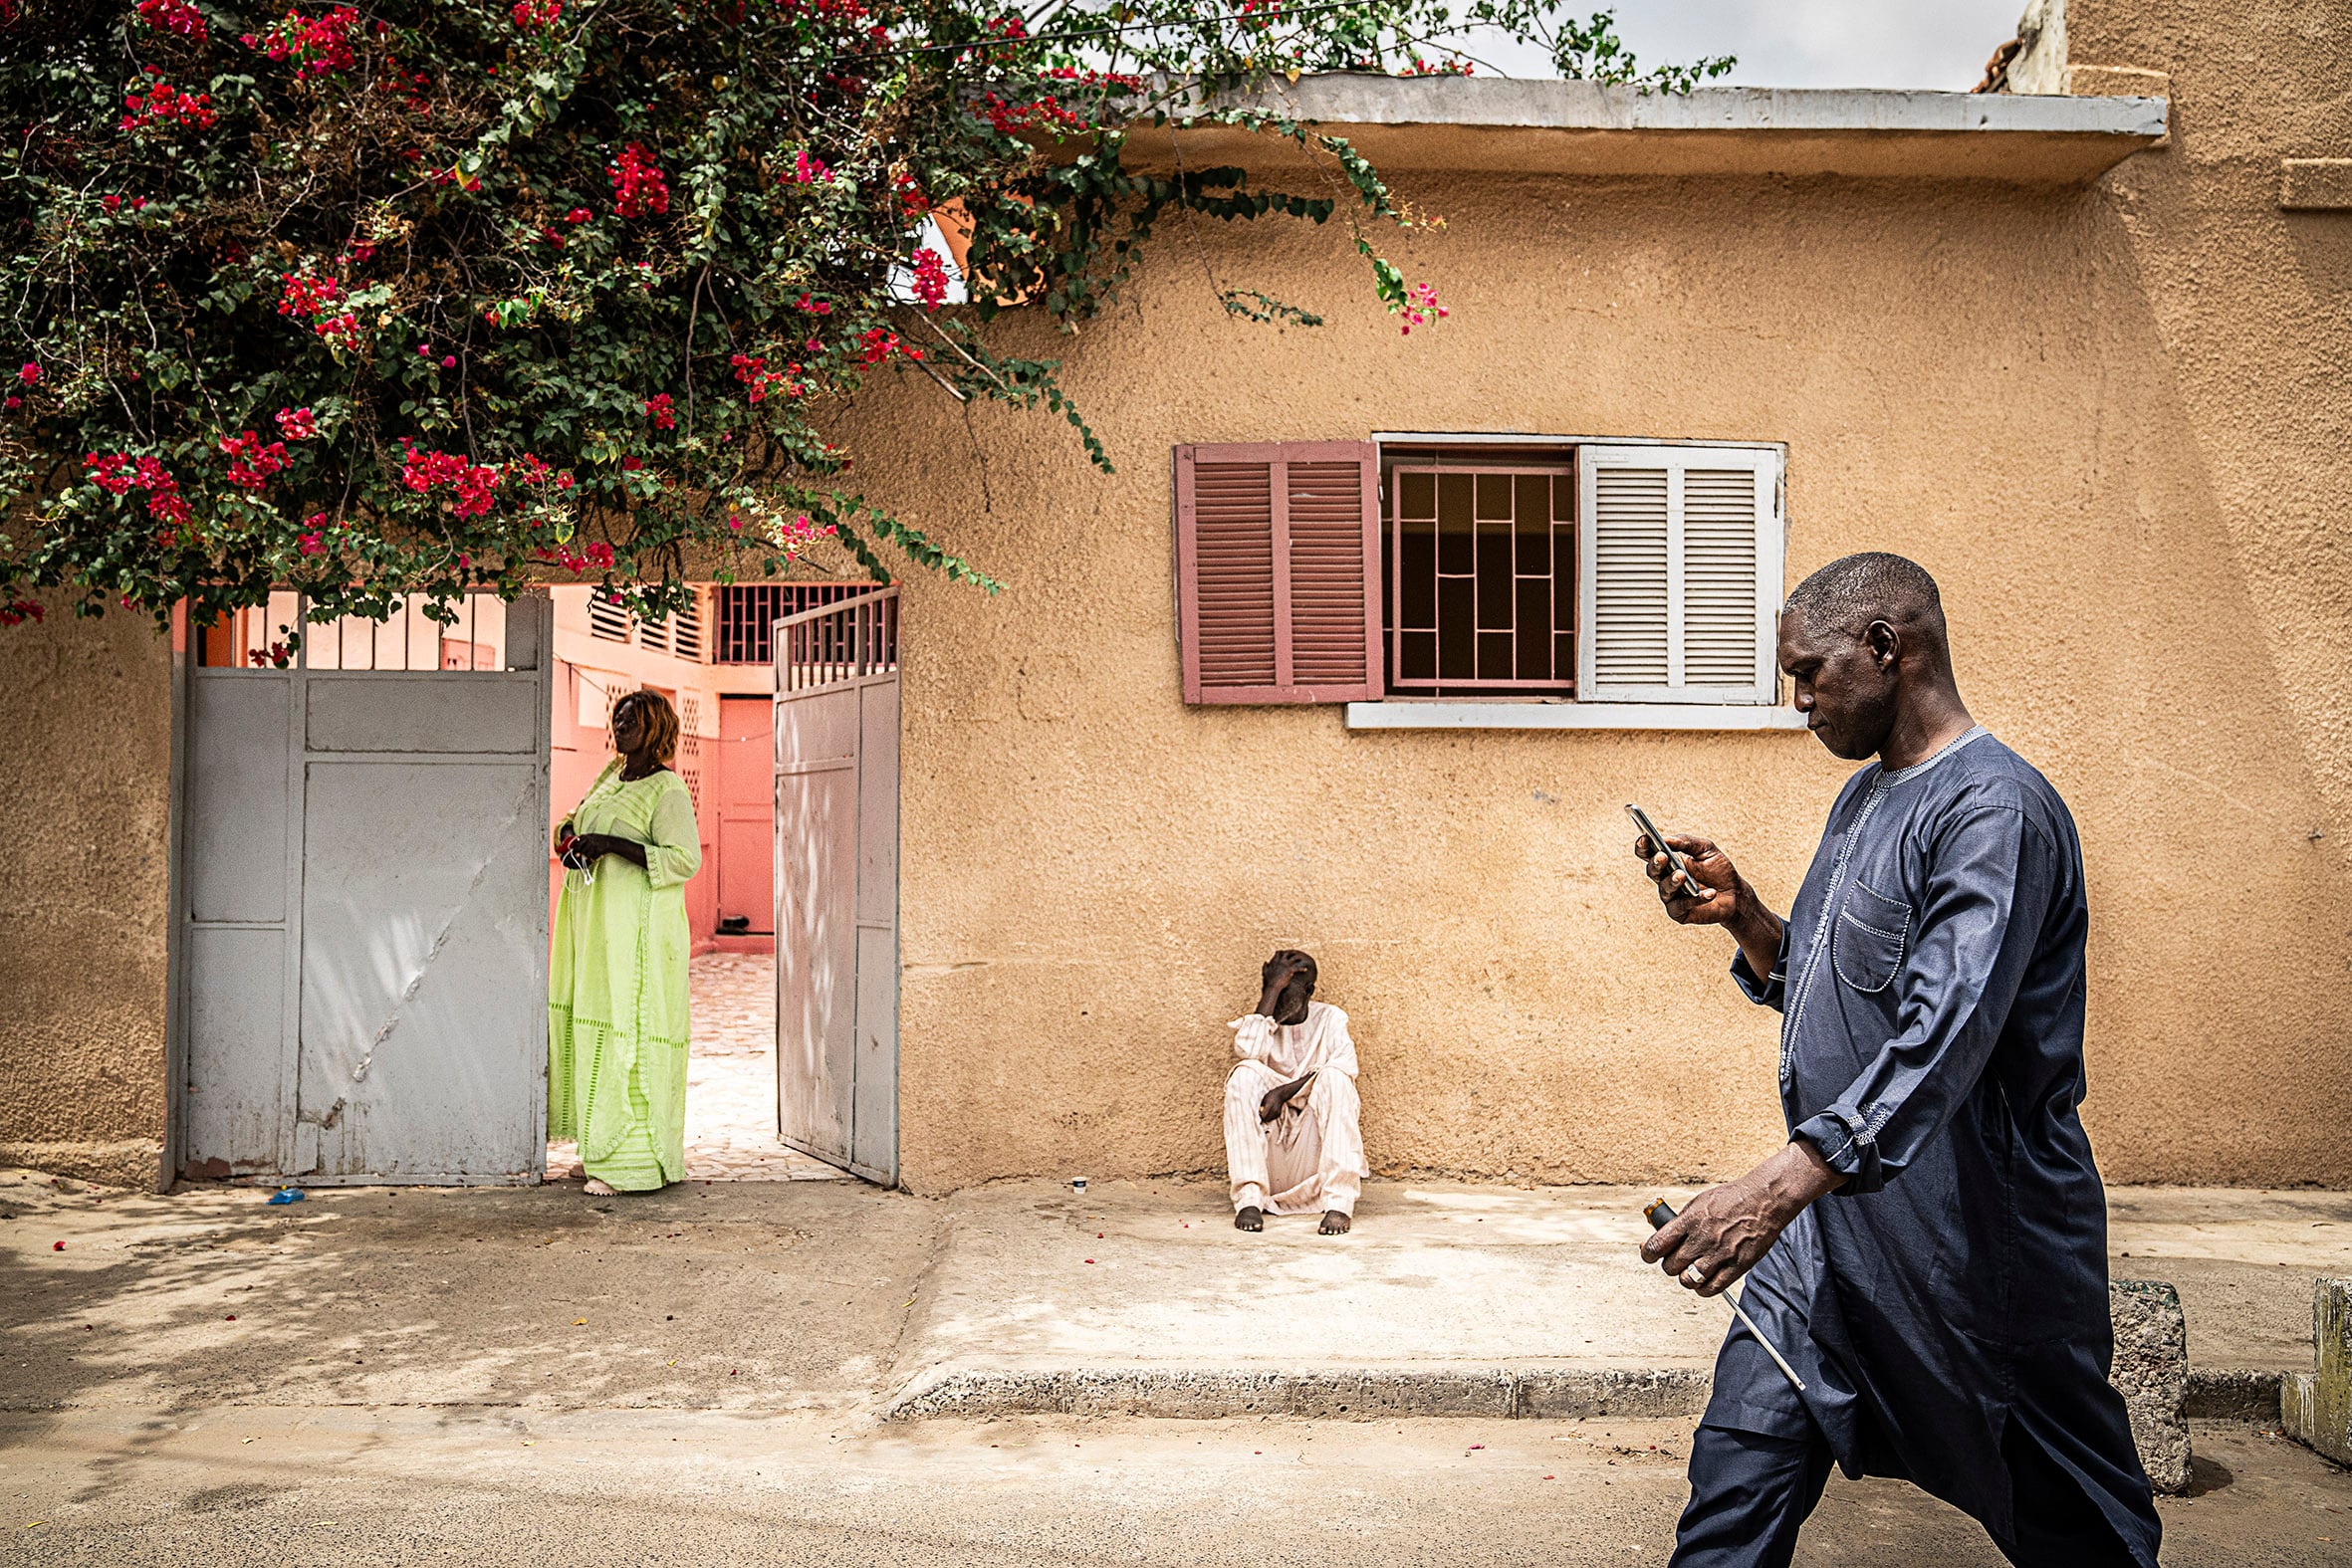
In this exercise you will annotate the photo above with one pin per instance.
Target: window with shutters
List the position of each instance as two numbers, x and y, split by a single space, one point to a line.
1433 568
678 634
1276 552
1680 569
1480 592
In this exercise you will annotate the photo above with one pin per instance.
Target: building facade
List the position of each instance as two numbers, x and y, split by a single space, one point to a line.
1370 636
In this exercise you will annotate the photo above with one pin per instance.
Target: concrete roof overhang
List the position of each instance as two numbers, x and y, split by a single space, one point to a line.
1584 129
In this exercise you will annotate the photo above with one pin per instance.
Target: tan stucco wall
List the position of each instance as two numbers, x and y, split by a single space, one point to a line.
1974 377
86 774
2111 421
2251 308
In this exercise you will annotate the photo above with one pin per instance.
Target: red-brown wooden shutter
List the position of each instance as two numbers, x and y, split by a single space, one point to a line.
1277 546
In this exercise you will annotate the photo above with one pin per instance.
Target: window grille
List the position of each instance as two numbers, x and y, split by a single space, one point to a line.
686 629
1482 579
745 614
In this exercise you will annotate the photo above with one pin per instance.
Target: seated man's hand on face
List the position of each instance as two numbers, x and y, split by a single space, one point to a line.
1289 979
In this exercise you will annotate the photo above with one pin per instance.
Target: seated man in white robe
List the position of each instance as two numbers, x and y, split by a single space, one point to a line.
1293 1139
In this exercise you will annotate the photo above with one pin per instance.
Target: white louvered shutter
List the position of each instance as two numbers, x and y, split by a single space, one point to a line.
1681 574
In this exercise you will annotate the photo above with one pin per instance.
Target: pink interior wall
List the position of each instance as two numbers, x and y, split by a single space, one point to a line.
579 753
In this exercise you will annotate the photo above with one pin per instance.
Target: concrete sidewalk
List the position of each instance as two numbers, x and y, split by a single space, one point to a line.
1140 1298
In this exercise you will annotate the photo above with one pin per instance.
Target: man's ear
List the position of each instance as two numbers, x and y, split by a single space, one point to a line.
1886 643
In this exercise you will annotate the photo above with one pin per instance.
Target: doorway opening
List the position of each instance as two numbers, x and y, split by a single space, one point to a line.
714 661
367 881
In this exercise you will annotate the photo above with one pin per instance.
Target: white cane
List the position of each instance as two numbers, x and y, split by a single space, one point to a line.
1658 1214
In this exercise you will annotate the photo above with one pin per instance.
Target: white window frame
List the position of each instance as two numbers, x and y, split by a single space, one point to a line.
1675 706
1764 688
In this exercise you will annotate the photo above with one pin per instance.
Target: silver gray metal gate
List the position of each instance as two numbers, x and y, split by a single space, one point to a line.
363 935
836 883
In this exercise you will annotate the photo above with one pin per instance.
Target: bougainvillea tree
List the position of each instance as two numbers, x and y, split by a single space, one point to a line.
428 296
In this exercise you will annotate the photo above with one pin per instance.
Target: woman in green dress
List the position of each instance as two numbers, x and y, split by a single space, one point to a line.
616 982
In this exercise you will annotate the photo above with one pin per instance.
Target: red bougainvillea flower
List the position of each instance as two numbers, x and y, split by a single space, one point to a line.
318 46
578 215
174 16
531 15
930 278
639 189
596 557
250 463
16 614
110 203
316 299
163 106
752 371
1042 113
296 424
473 487
1420 308
164 502
312 542
808 170
800 531
29 373
879 344
658 409
110 474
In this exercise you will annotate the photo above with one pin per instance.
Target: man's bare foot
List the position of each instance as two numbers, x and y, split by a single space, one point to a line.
1249 1218
1335 1222
598 1186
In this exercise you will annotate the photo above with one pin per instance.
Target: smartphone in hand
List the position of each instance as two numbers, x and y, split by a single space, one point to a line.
1675 860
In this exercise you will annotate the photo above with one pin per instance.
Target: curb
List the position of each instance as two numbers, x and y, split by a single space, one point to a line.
1177 1393
1534 1393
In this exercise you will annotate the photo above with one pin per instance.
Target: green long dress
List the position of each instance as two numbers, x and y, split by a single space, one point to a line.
616 986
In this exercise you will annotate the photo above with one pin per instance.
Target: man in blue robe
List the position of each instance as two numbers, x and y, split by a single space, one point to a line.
1930 1247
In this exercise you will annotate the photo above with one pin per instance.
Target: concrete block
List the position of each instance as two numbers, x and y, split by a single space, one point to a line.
2232 1393
2315 1408
2151 1372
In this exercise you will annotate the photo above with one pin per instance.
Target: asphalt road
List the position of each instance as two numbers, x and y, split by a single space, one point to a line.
339 1485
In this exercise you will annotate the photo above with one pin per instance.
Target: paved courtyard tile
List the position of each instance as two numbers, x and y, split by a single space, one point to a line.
730 1081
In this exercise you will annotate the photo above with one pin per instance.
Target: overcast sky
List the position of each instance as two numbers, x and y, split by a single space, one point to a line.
1810 43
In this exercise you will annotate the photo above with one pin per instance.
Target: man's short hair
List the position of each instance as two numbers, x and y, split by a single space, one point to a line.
1306 970
1854 591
